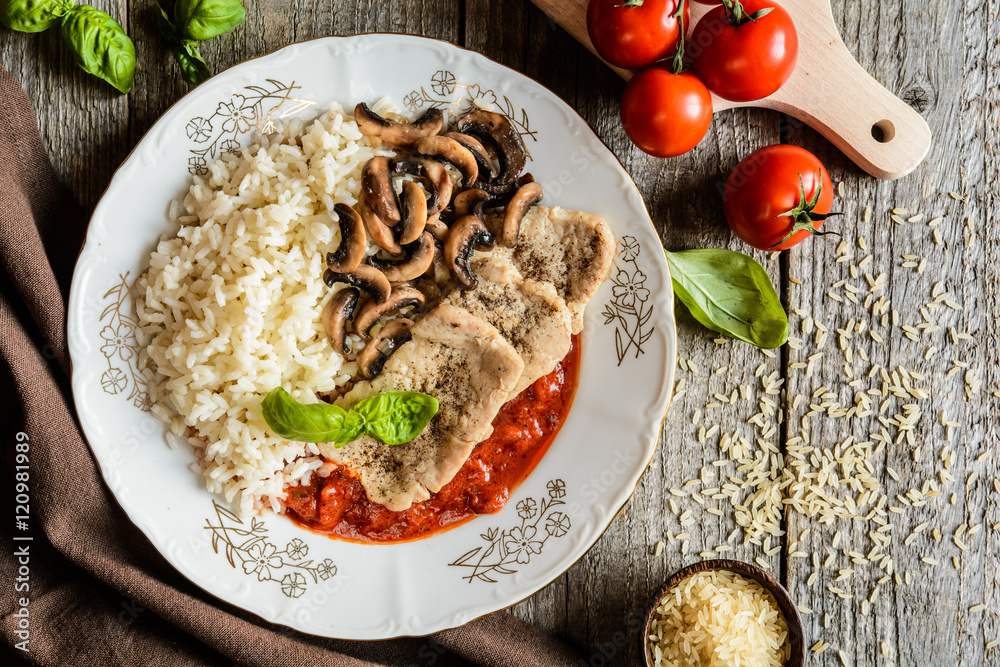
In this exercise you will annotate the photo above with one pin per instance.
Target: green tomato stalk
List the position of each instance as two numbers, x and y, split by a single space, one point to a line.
678 62
737 15
803 216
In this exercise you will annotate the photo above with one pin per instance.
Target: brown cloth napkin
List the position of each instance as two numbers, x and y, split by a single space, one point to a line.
99 593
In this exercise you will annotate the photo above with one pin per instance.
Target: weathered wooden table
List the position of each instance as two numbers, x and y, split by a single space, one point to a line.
942 58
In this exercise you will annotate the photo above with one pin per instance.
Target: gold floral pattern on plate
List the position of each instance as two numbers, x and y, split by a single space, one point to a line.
121 349
628 309
456 99
255 108
507 549
250 549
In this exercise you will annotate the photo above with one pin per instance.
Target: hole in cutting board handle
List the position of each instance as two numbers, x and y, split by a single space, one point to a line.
883 131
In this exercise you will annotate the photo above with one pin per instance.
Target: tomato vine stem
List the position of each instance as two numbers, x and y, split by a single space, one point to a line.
803 216
737 15
678 62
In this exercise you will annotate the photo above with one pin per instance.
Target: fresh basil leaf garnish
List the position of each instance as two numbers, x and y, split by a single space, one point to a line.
205 19
100 46
394 418
397 417
729 292
194 69
33 15
315 422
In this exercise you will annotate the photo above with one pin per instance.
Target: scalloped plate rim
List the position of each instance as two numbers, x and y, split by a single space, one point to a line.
81 275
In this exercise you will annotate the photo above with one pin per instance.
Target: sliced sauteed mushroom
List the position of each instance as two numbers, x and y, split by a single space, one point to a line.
438 229
441 186
351 250
421 256
497 128
372 358
470 202
372 311
378 231
393 132
468 233
449 150
368 278
414 203
526 196
376 189
483 161
336 312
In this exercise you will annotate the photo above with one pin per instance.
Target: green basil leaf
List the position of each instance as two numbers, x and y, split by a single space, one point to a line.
731 293
100 46
33 15
193 66
205 19
165 25
316 422
396 417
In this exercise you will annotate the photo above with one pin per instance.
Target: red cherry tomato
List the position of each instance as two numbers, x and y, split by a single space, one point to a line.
749 61
665 114
633 37
765 187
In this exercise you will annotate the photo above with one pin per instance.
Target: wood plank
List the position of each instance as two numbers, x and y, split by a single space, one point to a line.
158 82
926 622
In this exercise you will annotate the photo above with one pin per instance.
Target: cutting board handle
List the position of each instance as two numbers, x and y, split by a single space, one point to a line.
829 90
834 95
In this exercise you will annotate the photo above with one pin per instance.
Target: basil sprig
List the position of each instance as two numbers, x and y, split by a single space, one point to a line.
393 418
729 292
195 21
99 44
33 15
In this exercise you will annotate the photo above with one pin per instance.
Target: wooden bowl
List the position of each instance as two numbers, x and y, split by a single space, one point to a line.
788 609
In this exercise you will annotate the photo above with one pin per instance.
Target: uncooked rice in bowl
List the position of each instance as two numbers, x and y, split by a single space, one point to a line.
230 305
718 618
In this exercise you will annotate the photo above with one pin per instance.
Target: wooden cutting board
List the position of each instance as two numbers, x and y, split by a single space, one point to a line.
829 90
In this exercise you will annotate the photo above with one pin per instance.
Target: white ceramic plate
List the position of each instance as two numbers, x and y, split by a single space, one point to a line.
269 566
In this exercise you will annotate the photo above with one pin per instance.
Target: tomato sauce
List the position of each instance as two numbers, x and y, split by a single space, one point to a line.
524 428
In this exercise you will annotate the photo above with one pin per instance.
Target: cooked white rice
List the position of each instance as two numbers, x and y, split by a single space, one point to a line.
718 619
230 305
